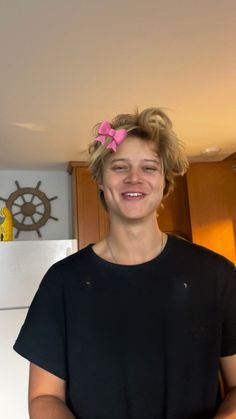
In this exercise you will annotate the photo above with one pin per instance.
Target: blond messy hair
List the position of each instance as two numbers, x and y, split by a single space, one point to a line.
152 124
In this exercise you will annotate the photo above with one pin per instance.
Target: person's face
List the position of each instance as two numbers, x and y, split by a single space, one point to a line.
133 180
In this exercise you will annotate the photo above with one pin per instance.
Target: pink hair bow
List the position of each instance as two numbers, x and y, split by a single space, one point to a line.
117 136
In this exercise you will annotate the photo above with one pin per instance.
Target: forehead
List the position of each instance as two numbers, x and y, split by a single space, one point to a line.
133 148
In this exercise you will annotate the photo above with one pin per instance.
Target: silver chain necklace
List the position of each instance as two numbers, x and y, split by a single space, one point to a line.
116 261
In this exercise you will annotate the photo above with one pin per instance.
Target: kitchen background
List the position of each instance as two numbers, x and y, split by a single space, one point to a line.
67 64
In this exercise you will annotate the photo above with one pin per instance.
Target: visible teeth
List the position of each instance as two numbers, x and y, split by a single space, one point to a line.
133 194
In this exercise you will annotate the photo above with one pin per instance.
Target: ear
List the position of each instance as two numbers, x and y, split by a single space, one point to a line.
99 183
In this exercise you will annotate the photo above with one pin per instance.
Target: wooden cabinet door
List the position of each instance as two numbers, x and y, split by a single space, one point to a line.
212 202
90 219
173 216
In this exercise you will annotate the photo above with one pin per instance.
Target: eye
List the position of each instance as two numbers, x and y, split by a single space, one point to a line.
150 168
119 168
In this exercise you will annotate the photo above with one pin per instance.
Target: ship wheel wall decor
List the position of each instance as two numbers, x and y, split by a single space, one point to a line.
27 204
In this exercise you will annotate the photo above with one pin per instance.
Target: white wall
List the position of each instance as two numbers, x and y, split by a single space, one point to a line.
54 183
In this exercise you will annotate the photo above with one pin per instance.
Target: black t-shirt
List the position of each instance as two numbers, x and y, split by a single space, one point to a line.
135 342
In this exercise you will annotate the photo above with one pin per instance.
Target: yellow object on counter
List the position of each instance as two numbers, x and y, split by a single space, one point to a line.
6 225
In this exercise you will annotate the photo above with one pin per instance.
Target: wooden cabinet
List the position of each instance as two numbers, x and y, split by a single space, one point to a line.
212 203
174 216
90 218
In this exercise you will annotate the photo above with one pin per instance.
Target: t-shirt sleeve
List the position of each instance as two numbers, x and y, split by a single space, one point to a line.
42 336
228 346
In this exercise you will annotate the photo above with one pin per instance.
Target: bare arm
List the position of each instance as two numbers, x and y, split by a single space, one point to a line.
227 408
47 395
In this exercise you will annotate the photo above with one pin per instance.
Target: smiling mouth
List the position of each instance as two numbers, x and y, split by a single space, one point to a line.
133 195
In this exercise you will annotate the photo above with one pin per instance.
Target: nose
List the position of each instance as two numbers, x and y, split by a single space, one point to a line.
133 176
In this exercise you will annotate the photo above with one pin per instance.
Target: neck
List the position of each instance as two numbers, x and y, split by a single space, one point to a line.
135 243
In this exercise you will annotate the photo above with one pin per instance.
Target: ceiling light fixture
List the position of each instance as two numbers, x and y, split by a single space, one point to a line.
29 126
211 151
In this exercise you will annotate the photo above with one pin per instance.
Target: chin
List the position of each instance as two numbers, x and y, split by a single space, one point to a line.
138 216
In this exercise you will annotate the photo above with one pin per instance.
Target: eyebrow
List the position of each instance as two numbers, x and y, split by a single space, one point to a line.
144 160
152 160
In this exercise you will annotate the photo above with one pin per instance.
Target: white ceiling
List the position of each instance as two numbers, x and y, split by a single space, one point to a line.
67 64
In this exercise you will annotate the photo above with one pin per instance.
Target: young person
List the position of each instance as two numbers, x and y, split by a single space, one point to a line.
137 325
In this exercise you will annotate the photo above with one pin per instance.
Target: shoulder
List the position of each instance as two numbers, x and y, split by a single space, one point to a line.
81 257
199 256
68 268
